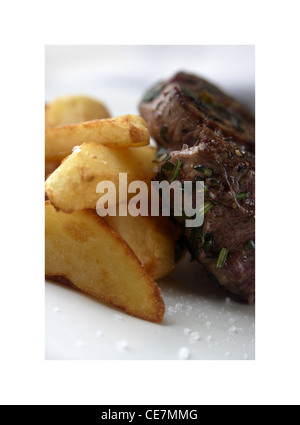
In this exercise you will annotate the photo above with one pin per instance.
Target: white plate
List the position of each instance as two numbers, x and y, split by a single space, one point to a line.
201 322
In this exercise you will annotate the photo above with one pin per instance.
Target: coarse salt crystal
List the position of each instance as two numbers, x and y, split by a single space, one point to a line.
208 325
122 345
183 353
194 336
232 330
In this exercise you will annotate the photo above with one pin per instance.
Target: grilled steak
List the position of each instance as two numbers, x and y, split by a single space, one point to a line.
210 138
176 110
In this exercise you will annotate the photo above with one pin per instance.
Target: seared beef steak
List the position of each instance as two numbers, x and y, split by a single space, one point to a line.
176 110
221 156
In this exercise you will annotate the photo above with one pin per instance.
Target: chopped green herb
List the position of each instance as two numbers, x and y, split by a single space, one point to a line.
213 182
178 165
206 97
163 132
222 258
218 105
243 195
152 93
196 98
208 239
249 245
222 110
168 157
168 166
208 172
206 207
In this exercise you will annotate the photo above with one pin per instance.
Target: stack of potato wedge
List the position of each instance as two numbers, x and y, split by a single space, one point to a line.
114 258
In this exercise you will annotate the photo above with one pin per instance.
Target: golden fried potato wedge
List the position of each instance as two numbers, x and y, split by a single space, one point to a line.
72 186
153 240
73 110
120 132
85 251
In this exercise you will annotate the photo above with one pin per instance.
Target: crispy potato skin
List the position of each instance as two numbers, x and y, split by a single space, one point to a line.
152 239
73 110
72 186
121 132
84 250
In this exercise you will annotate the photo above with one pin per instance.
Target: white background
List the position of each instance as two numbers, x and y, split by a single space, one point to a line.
26 378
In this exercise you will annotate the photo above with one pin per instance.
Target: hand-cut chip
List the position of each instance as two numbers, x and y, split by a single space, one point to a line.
120 132
72 186
153 240
73 110
85 251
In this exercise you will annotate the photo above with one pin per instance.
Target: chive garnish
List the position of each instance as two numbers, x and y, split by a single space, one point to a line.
208 172
168 157
249 245
199 168
208 240
222 258
168 166
218 105
243 195
163 132
206 97
178 165
206 207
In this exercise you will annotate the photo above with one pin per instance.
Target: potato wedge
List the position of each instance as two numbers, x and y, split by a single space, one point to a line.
73 110
85 251
122 132
153 240
72 186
